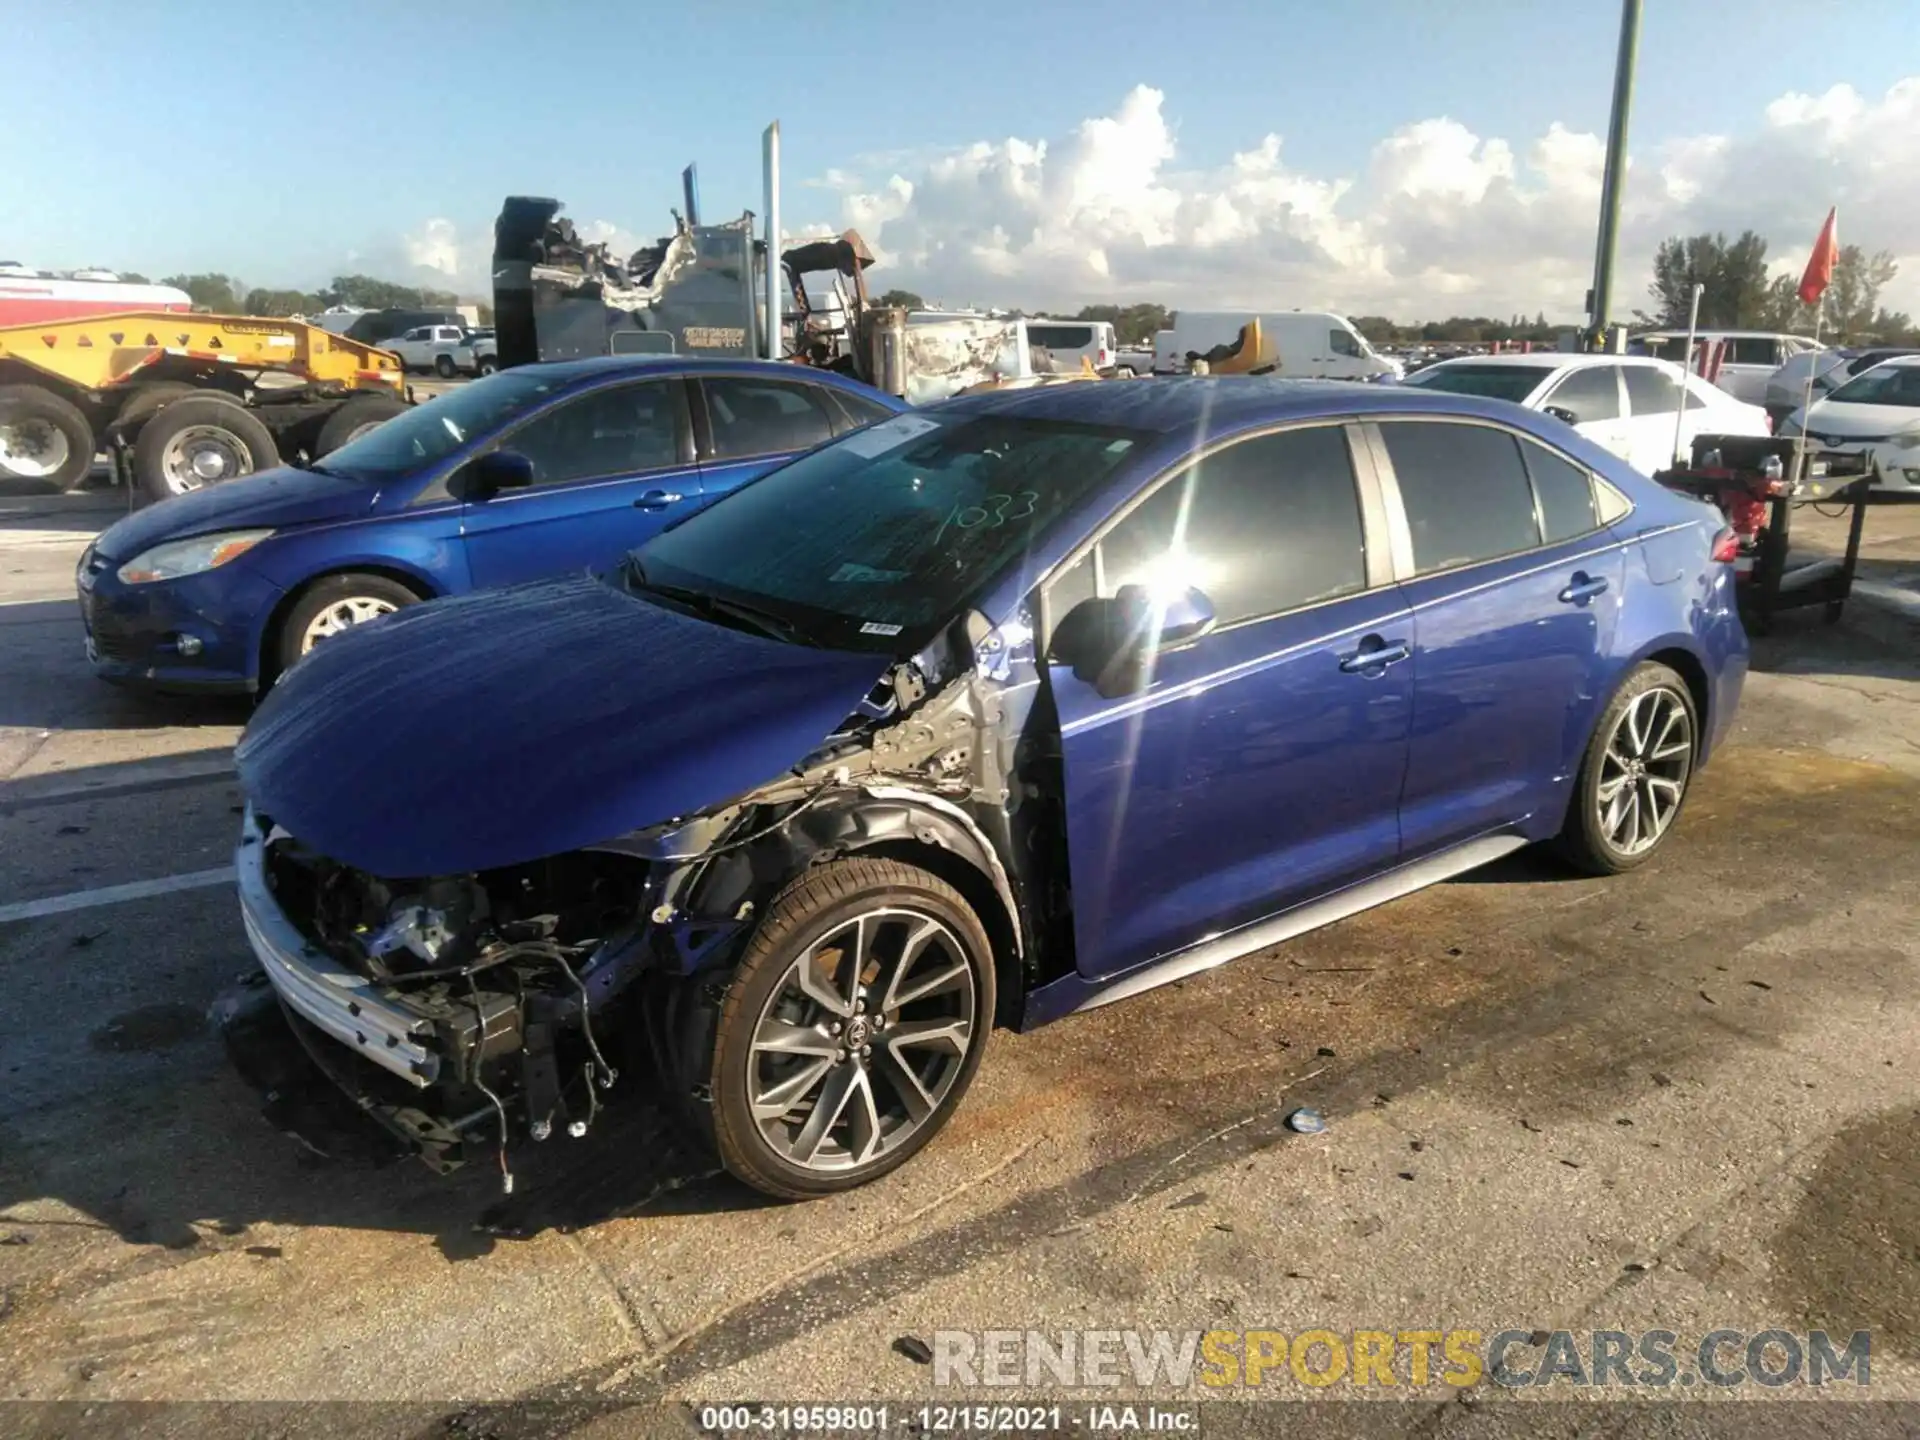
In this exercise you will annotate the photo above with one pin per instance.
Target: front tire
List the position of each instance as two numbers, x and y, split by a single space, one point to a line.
335 604
851 1029
1635 775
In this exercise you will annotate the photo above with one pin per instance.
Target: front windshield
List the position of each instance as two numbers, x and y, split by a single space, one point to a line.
1496 382
1883 385
435 430
871 542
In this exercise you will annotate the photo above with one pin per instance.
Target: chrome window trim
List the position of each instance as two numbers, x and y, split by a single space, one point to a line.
1397 512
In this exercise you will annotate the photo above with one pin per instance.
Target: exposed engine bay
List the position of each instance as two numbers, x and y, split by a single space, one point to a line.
468 1012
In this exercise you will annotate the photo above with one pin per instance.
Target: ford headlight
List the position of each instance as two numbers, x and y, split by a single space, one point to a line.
189 557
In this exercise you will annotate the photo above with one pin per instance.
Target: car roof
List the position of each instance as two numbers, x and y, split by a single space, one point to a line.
1219 403
608 366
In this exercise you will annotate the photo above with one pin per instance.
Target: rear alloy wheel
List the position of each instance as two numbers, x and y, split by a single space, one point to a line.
335 605
851 1030
1634 778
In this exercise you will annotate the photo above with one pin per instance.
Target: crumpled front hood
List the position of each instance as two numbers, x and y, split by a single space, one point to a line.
273 498
508 725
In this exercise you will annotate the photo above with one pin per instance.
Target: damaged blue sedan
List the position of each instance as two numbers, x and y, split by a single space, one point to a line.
984 715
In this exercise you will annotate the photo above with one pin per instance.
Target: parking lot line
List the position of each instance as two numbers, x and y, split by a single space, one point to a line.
114 894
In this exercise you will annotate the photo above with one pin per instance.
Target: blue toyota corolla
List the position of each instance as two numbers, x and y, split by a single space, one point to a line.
532 472
991 712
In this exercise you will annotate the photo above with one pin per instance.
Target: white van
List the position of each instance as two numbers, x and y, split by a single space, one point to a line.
1296 344
1071 341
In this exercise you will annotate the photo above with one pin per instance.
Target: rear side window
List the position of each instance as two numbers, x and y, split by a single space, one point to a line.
763 417
1060 337
1465 491
1564 490
1591 393
1753 350
1650 391
1267 525
858 409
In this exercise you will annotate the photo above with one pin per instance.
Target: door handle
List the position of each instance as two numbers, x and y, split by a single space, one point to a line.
1583 588
657 500
1374 654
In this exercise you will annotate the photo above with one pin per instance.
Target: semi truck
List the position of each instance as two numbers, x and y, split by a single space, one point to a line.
701 291
182 400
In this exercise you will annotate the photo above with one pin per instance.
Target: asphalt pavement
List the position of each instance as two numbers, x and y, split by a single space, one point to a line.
1683 1098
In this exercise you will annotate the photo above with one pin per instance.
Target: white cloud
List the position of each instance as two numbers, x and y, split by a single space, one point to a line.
1441 220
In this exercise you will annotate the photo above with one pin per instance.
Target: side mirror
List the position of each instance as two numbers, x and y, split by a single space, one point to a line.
1109 643
1563 415
496 471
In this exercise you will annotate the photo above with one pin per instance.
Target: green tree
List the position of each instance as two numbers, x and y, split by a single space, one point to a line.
902 300
1132 324
1736 292
1378 329
370 294
133 277
282 302
221 294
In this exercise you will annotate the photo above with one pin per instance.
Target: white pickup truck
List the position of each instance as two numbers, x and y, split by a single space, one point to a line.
442 349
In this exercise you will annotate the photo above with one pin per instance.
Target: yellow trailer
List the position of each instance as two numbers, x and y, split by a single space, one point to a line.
197 399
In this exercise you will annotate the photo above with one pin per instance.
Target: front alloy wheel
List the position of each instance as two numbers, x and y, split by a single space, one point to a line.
851 1030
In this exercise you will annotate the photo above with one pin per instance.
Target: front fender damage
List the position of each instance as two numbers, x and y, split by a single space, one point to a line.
543 985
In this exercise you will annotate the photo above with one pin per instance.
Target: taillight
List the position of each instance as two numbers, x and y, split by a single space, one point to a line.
1726 548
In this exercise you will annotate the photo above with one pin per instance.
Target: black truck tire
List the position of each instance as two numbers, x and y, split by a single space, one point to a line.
46 444
352 419
146 401
231 437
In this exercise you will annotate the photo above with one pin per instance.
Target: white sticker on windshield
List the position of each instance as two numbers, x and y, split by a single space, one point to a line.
877 440
874 627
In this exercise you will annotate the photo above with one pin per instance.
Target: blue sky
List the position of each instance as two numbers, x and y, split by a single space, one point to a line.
276 141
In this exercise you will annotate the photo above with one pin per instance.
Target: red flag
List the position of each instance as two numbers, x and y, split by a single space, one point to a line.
1819 272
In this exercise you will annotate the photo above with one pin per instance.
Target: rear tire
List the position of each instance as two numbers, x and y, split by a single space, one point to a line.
807 1025
444 367
146 401
1635 776
332 604
46 443
198 441
354 419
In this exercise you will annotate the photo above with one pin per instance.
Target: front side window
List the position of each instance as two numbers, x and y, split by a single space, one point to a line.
619 430
1263 526
1464 489
763 417
873 541
433 431
1592 393
1650 391
1343 342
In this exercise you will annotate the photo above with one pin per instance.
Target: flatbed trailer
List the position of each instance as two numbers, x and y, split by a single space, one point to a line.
183 400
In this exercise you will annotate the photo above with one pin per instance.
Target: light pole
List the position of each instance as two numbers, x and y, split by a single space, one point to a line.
1614 183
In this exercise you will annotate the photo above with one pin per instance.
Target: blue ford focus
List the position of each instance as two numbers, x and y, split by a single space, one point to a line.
987 714
530 472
